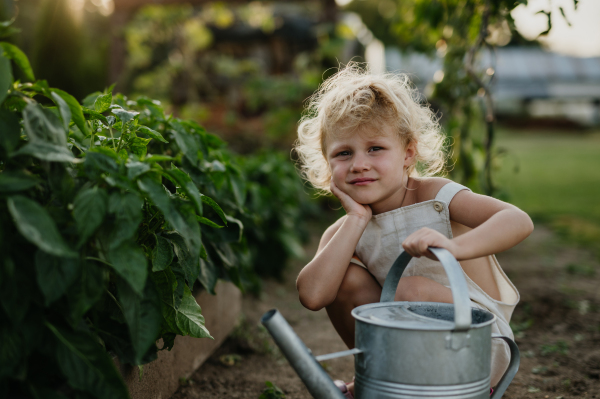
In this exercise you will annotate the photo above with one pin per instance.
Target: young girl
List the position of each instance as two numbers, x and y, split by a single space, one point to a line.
366 139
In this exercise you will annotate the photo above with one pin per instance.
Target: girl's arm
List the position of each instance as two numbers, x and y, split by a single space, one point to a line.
319 281
497 226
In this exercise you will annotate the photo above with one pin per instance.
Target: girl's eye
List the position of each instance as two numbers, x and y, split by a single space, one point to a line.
375 148
343 153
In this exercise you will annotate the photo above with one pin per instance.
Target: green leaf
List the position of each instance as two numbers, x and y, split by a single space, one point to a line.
11 350
234 231
162 254
208 275
90 99
185 224
143 316
180 277
210 202
86 290
43 392
123 115
89 209
41 125
153 106
14 53
208 222
188 260
36 225
187 185
96 162
189 316
123 155
63 108
238 187
127 208
103 102
129 261
10 128
167 285
47 152
93 115
17 289
152 133
188 144
158 158
16 181
134 169
6 77
87 365
54 275
76 110
39 87
168 340
106 151
186 319
139 146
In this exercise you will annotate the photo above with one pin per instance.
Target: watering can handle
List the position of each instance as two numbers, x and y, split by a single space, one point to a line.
511 371
458 285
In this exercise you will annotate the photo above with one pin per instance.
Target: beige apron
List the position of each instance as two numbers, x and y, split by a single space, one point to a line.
381 244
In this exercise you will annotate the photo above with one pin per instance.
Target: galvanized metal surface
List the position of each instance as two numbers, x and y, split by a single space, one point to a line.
423 356
458 284
409 349
513 367
370 388
316 379
335 355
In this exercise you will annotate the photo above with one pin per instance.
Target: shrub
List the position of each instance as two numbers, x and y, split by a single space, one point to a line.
109 217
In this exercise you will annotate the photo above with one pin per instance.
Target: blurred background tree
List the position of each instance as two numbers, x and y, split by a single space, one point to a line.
456 31
65 40
241 69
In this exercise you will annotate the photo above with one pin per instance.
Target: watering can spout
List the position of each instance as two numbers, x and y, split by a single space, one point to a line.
316 379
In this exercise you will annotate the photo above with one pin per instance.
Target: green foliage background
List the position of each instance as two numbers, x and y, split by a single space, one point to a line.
112 215
456 31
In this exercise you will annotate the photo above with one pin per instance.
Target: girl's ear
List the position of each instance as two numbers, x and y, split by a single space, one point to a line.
410 154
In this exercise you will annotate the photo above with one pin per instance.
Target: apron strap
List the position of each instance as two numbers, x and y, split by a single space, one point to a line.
448 192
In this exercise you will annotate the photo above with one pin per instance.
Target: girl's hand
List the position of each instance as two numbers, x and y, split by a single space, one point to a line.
417 243
352 207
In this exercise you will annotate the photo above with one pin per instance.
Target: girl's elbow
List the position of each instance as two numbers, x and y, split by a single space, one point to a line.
311 304
311 300
528 224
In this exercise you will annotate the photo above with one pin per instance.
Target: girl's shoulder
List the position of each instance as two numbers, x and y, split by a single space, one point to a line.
427 188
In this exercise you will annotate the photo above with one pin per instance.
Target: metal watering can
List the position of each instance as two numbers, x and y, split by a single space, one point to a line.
408 350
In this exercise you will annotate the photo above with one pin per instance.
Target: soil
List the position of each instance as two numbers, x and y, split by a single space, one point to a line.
556 324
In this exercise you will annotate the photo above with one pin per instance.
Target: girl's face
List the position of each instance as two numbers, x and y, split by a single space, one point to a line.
370 165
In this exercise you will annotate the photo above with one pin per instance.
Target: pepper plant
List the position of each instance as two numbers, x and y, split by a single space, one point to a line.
109 218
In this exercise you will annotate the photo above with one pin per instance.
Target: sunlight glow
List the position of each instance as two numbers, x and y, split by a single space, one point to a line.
581 39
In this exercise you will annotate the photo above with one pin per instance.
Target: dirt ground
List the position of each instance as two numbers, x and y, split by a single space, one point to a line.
557 328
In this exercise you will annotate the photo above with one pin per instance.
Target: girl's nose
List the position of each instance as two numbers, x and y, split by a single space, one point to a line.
360 163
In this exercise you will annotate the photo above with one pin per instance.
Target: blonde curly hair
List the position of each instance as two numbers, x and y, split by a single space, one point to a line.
356 98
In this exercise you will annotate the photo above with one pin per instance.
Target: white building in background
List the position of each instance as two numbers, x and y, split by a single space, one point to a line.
527 81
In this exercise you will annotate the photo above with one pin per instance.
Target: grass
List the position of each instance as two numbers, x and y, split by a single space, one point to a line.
555 177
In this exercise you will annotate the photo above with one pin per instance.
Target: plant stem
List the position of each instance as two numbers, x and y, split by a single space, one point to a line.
112 137
121 138
98 260
115 299
92 138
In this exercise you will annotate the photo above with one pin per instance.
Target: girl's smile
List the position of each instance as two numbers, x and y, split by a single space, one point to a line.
362 181
369 166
